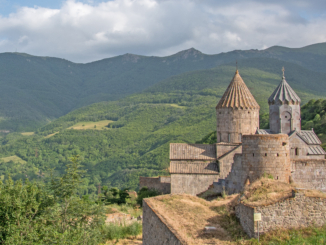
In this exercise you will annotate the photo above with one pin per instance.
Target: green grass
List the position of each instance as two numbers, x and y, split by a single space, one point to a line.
115 231
14 159
310 235
27 133
100 125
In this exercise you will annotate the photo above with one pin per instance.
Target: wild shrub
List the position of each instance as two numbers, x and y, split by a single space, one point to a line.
145 193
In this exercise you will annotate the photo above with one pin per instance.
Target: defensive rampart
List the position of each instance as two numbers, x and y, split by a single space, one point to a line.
156 230
266 154
310 174
297 211
162 183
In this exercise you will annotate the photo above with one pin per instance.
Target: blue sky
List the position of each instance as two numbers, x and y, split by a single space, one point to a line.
84 31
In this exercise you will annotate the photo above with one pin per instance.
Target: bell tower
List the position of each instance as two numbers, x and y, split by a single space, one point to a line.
237 112
284 109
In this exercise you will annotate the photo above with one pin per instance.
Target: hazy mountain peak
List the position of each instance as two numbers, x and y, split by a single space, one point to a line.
192 52
131 57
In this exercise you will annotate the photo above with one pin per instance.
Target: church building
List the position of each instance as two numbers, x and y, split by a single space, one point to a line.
243 152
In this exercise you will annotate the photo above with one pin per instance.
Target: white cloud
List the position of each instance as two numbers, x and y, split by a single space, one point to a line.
86 31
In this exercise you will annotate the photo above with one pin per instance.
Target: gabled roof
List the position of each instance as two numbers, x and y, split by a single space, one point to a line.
316 150
309 137
237 95
283 93
263 131
181 151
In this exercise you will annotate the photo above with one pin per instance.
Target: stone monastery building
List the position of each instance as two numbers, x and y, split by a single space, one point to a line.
244 152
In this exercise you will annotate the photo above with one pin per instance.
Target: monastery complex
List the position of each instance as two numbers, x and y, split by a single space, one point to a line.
243 152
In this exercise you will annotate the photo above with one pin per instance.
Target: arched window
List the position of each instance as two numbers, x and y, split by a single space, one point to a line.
240 137
229 137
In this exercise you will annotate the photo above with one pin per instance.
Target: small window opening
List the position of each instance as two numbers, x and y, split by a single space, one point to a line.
284 143
296 151
277 154
248 112
286 116
277 177
253 154
265 154
240 137
229 137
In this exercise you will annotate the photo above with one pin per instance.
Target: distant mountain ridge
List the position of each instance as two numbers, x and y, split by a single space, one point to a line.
35 90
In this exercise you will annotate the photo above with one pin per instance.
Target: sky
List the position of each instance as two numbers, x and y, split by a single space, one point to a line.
89 30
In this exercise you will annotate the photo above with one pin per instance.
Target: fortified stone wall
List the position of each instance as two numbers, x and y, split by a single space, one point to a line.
266 154
225 162
156 230
236 180
298 211
309 173
162 183
235 122
192 184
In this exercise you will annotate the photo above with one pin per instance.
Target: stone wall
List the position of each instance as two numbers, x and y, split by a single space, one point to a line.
156 230
310 174
298 211
192 184
235 122
235 181
266 154
162 183
225 162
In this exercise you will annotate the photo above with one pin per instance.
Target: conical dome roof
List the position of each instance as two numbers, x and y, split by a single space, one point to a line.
237 95
283 93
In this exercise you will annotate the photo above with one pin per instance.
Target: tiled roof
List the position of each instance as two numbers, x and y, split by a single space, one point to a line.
192 152
316 150
309 137
195 167
237 95
263 131
284 92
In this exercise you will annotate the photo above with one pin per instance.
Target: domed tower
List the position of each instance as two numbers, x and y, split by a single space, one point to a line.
237 112
284 109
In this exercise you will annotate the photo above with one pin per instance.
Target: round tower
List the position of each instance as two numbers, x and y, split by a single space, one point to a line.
266 154
237 112
284 109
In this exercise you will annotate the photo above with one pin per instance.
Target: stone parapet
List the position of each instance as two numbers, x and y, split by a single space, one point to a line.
309 173
294 212
162 183
156 230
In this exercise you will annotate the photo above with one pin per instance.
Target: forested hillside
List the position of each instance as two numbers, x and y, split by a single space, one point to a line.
36 90
139 128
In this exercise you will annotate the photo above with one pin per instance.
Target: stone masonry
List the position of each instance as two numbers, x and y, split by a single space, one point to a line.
162 183
296 211
156 230
266 154
310 174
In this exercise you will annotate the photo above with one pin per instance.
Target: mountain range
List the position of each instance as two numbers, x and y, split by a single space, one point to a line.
37 90
142 105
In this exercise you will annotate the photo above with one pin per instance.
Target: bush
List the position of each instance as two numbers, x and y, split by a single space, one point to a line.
145 193
119 231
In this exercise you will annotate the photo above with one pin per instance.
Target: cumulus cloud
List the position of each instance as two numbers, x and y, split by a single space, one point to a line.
90 30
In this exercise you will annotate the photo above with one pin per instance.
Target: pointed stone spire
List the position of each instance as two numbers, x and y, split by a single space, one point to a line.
284 93
237 95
